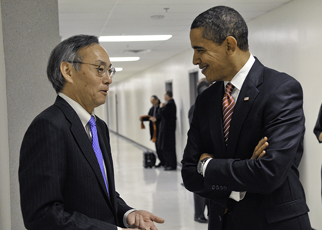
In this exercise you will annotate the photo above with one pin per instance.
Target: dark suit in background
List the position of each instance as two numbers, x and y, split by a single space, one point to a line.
318 125
318 130
167 135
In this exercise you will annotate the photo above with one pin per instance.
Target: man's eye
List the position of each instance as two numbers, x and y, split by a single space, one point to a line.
100 69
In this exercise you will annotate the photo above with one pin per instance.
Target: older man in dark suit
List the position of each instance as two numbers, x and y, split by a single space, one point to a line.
246 102
66 170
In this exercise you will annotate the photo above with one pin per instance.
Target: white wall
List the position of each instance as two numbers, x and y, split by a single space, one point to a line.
287 39
134 95
5 210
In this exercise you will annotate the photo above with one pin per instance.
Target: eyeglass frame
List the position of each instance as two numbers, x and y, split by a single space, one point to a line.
111 70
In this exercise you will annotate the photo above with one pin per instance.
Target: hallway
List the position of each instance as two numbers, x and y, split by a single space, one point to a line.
153 190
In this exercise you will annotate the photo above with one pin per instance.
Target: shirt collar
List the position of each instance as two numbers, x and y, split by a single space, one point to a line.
83 115
239 78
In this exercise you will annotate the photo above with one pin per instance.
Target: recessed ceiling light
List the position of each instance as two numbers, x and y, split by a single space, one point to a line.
134 38
118 69
157 17
122 59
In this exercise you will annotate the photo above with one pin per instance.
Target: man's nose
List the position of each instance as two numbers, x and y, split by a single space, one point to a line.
107 79
195 59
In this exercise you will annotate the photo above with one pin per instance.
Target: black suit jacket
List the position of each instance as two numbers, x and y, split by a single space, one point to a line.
61 185
318 125
269 104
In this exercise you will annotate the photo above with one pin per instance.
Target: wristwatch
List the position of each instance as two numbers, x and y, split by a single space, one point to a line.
201 164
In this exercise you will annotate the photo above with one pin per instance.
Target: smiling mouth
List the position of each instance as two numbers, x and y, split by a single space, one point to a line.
203 68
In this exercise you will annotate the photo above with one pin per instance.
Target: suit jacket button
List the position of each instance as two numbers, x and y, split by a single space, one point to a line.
225 187
217 187
221 187
213 187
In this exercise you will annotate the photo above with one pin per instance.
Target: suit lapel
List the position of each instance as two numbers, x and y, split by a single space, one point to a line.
83 141
216 119
246 98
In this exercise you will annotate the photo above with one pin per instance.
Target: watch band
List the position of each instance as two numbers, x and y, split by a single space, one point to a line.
201 164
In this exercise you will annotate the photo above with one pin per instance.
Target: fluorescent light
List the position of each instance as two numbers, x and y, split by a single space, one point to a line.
118 69
134 38
121 59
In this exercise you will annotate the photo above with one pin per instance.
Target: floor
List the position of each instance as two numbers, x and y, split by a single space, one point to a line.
154 190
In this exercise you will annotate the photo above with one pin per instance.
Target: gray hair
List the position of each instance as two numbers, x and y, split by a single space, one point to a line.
66 51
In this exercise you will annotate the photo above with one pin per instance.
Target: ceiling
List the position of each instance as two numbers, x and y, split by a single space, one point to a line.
133 17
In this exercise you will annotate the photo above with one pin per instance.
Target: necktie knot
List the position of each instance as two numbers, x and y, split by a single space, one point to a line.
92 122
229 88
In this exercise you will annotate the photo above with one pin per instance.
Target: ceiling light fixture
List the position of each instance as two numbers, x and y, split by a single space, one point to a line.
157 17
134 38
118 69
122 59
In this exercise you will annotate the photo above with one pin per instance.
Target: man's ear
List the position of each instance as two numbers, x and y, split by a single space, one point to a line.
66 70
231 44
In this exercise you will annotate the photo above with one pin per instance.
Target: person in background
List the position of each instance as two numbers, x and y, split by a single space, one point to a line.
154 127
318 131
66 171
167 133
318 126
247 101
200 203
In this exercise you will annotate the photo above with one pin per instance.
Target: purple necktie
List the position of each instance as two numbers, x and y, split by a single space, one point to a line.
97 149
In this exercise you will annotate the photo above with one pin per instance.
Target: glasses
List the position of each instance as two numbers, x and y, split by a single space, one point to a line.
101 69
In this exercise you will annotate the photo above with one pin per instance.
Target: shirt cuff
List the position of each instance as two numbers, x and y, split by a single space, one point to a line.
237 196
125 218
205 167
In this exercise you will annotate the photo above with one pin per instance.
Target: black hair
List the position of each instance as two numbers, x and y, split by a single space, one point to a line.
220 22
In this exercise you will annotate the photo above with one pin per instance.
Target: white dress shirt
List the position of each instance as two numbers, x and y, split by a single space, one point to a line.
237 81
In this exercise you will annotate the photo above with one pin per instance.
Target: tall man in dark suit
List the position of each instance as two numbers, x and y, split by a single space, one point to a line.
245 194
167 133
66 170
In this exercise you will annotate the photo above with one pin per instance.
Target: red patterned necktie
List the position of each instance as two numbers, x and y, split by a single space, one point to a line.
228 105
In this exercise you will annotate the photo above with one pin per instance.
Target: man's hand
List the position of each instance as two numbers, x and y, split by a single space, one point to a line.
141 219
153 119
204 155
259 150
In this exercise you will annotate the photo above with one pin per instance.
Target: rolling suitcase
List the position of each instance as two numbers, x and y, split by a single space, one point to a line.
149 159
